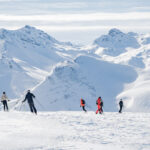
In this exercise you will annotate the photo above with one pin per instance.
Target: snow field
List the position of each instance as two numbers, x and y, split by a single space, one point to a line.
73 130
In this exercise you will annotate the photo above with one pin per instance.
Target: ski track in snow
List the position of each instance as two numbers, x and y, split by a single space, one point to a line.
74 130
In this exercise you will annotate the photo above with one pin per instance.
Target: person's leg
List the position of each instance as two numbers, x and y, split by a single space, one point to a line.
6 105
121 109
33 108
99 111
35 111
99 108
3 105
84 108
30 105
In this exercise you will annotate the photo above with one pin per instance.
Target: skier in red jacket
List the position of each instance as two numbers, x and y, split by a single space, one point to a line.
82 104
99 105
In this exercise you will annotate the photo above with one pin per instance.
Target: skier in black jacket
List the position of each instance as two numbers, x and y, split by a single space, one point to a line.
29 97
121 105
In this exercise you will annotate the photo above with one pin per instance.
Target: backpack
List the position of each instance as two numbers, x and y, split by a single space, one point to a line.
101 104
83 101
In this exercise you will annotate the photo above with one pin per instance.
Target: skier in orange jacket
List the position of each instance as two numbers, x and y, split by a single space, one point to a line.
82 104
99 103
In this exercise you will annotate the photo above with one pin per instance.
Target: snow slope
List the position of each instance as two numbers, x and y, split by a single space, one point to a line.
86 77
115 66
74 130
26 57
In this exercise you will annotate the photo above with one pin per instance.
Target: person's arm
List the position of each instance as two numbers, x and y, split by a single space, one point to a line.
25 99
33 95
7 98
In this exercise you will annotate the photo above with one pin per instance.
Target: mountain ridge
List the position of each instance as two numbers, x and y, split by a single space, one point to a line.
32 59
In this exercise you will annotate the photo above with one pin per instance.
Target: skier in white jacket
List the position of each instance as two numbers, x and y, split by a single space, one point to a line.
4 100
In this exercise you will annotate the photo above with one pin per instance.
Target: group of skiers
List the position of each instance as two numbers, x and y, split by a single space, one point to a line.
99 104
29 98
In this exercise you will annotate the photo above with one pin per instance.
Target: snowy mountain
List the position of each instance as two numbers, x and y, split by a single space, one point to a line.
86 77
59 73
26 57
116 42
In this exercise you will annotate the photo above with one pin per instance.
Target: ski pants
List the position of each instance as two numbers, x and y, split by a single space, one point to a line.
83 107
5 105
32 108
120 111
99 109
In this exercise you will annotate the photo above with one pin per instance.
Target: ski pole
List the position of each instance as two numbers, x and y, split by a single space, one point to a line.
21 106
1 107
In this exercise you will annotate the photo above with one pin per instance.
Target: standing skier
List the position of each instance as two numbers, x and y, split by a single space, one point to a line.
29 97
82 104
102 104
4 100
99 104
120 105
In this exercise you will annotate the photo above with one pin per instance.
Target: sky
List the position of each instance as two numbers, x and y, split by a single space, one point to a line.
78 21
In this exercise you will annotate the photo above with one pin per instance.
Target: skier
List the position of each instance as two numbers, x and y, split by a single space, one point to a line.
99 104
102 103
121 105
4 100
29 97
82 104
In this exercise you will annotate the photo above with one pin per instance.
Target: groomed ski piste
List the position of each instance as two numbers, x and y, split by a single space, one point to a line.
74 130
114 66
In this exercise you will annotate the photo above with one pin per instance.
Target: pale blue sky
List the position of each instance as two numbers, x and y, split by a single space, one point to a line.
77 21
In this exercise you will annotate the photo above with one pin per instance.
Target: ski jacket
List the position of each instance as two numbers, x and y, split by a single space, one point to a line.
29 97
82 103
121 103
98 102
4 97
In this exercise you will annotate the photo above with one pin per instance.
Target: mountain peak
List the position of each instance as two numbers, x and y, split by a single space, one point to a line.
116 42
114 32
28 34
28 27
